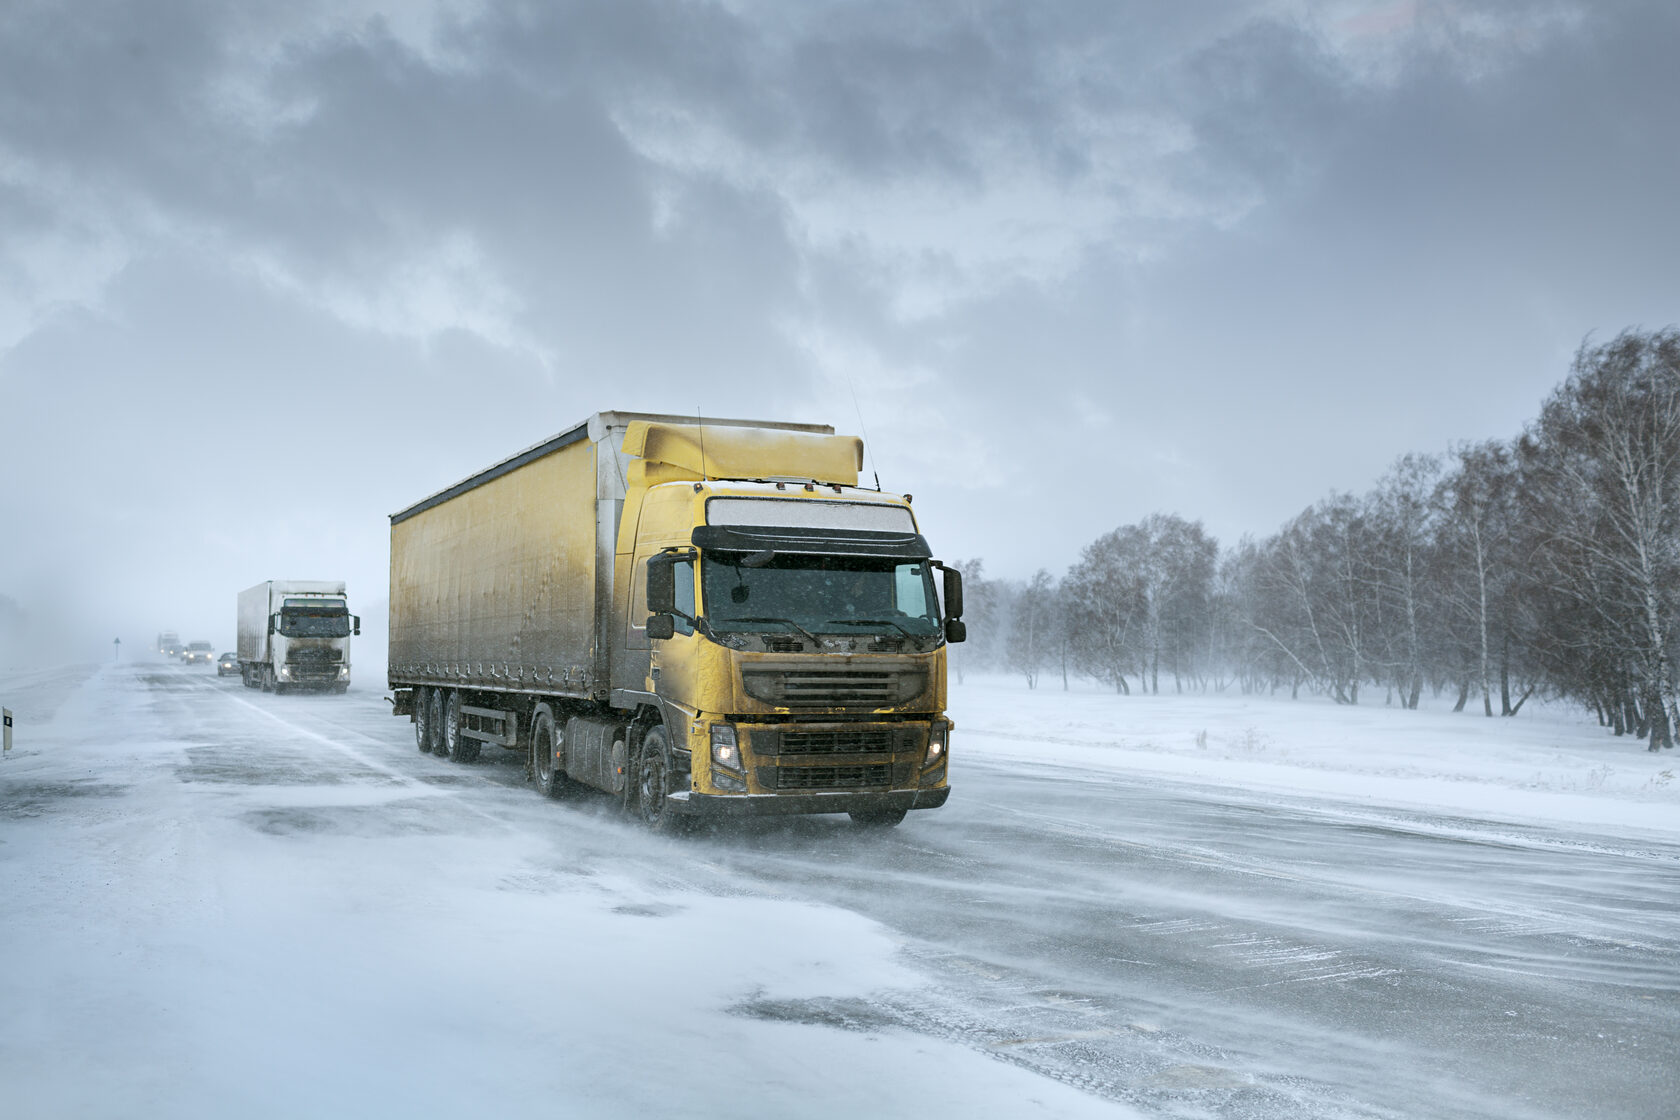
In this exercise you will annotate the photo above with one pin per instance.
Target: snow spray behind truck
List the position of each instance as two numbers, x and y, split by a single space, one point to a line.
705 618
295 634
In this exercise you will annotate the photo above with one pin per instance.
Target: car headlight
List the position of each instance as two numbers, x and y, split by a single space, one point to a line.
726 751
939 738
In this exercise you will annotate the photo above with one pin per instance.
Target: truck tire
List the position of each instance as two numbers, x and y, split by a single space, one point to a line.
268 678
548 775
434 718
652 787
456 746
422 720
877 818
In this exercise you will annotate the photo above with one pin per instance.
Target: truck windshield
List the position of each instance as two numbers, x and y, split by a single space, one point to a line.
314 620
819 594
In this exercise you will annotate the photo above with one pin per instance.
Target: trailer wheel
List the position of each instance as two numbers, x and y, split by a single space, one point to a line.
652 788
456 746
434 717
548 775
877 818
422 720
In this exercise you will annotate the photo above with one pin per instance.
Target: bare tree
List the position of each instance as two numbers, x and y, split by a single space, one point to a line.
1605 455
1478 508
1402 562
1033 635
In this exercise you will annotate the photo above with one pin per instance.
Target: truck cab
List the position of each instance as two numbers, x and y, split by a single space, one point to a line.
311 647
792 633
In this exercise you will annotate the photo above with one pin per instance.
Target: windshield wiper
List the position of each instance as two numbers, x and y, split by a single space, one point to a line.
766 618
871 622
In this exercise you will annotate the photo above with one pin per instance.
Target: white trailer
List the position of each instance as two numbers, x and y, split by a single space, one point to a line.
295 633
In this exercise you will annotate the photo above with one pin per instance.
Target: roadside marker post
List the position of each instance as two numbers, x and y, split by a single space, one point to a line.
6 718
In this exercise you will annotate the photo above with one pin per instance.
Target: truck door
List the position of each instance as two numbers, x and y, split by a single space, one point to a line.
637 658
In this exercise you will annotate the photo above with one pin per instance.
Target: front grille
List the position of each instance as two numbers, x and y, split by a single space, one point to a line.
835 687
836 742
314 664
833 777
307 672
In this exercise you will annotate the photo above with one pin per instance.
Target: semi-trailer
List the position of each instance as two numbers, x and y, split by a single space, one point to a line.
700 617
295 634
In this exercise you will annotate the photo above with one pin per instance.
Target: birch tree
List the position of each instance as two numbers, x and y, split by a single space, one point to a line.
1605 457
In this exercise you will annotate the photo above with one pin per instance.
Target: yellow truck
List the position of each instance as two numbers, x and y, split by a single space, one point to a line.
705 618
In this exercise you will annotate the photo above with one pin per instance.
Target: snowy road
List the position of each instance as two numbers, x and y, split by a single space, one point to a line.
197 874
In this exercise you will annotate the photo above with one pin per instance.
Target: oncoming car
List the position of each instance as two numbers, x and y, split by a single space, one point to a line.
227 665
198 651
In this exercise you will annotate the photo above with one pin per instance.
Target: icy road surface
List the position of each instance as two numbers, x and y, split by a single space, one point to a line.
219 902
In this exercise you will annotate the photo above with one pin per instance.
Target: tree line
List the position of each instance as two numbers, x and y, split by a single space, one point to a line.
1545 565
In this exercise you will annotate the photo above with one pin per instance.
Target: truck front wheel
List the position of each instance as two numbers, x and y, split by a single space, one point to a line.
653 789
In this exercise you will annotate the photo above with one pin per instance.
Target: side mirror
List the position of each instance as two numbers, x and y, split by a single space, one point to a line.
660 627
956 630
356 625
661 584
953 594
272 621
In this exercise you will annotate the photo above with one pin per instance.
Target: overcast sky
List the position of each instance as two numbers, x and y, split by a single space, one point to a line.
269 272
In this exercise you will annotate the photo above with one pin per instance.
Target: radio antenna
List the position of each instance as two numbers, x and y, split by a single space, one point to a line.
868 443
701 421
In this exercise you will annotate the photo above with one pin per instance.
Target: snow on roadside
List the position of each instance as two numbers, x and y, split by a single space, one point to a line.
1549 764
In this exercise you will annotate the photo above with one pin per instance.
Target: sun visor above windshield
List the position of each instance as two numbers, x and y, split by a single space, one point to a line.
738 452
805 540
810 513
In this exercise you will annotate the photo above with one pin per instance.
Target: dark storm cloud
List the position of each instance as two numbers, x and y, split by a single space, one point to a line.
1210 258
1427 251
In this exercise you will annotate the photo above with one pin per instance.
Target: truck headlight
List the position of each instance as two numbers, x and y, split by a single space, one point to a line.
284 672
344 672
726 752
939 737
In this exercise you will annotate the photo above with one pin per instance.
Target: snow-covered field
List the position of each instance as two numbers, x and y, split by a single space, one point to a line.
1549 763
218 902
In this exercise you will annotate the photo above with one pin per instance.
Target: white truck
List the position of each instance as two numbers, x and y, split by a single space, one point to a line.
295 634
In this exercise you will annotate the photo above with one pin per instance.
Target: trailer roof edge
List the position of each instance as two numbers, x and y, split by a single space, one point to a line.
580 431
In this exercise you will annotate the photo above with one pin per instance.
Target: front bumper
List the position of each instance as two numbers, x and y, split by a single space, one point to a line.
737 805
